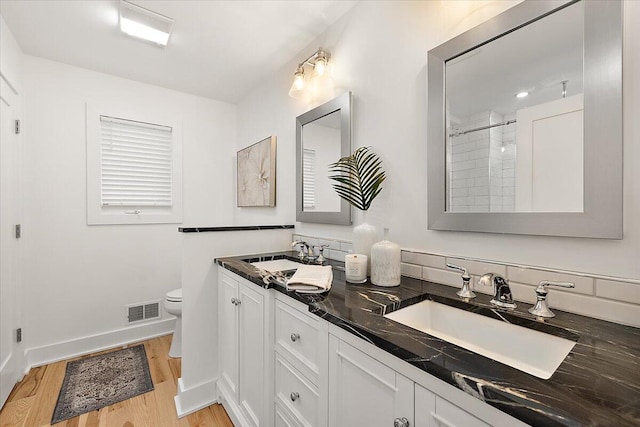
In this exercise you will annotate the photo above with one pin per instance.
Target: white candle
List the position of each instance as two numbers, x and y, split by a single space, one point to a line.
355 267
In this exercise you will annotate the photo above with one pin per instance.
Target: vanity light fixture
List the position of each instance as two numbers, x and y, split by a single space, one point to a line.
144 24
522 94
320 83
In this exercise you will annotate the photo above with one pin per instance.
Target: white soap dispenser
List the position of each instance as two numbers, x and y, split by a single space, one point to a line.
385 262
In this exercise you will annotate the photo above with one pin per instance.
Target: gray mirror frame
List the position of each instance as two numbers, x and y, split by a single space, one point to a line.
341 103
603 196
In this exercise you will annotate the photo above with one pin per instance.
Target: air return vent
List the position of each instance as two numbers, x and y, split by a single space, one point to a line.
143 311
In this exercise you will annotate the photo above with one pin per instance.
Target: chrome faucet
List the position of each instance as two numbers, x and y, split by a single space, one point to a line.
465 291
502 296
541 309
305 250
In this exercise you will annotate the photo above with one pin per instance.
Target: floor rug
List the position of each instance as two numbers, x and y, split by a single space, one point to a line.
95 382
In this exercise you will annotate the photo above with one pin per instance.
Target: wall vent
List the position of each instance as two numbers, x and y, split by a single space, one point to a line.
143 311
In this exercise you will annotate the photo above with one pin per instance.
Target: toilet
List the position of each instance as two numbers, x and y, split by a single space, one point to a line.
173 305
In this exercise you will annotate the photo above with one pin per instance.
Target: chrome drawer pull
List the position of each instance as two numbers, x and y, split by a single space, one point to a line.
401 422
295 337
294 396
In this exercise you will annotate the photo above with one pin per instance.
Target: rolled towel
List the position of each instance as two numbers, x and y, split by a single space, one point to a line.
311 279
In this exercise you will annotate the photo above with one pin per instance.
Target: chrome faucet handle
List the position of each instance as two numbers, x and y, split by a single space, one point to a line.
466 291
303 245
321 257
502 296
541 309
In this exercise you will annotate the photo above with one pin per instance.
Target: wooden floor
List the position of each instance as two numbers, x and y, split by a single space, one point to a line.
33 400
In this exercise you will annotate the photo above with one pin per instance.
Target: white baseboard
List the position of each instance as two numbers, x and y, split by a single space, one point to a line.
39 356
233 410
192 399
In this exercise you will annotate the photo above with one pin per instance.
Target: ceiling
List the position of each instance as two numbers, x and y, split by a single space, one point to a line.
218 49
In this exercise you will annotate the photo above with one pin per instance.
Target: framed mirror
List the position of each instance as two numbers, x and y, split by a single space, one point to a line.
323 135
525 123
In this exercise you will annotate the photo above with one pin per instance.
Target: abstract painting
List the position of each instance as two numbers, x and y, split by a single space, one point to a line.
257 174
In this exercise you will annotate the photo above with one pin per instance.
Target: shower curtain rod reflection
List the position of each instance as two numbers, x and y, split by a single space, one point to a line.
464 132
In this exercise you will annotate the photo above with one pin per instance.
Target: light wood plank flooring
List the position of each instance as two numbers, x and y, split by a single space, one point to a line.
33 400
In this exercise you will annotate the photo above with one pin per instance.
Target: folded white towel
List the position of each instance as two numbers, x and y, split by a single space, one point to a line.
311 279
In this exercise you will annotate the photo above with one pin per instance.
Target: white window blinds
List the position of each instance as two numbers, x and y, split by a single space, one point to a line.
309 179
135 163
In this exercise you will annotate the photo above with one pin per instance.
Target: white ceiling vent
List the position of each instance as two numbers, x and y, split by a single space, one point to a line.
145 24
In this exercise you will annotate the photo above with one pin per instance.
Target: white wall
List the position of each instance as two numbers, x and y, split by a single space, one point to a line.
379 53
78 278
200 299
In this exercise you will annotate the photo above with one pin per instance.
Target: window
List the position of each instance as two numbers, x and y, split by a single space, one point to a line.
309 179
135 163
133 170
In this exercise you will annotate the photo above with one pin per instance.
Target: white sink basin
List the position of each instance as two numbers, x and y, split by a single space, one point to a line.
277 265
531 351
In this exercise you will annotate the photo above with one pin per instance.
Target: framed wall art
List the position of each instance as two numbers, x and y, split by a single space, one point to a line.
257 174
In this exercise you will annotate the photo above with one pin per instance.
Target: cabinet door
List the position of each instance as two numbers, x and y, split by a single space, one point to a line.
434 411
251 320
228 333
363 391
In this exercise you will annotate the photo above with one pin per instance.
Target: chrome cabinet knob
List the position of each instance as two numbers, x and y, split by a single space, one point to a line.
294 396
233 301
295 337
401 422
238 302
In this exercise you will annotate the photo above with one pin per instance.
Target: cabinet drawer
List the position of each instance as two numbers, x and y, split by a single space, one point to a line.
298 334
296 393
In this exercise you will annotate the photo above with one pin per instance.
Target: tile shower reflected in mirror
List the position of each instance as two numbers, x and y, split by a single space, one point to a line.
514 120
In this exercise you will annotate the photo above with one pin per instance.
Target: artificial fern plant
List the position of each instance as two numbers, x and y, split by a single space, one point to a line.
359 177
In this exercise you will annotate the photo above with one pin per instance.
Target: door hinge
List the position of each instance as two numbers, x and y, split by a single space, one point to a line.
18 231
17 127
19 335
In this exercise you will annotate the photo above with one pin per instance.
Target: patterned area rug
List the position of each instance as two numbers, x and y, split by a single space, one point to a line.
99 381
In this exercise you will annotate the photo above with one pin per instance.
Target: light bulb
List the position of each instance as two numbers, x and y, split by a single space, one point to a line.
298 81
320 66
502 149
297 88
522 94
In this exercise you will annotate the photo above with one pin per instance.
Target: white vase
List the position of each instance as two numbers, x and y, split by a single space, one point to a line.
364 236
385 262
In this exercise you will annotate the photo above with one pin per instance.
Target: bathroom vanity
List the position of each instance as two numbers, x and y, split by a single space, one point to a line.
335 360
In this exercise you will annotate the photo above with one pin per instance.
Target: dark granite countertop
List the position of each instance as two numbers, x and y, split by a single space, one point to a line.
598 384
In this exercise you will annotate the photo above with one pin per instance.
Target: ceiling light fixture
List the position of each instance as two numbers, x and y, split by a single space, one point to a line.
522 94
144 24
321 83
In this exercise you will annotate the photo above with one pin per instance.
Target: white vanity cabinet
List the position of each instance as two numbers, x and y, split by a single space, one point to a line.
283 366
365 392
433 411
300 365
368 386
244 349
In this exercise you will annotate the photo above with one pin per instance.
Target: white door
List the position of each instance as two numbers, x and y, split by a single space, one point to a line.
364 392
228 333
10 357
251 348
